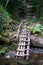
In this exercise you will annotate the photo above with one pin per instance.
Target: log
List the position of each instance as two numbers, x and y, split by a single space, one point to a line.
36 40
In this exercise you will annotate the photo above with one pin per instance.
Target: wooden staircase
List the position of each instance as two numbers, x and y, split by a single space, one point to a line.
28 9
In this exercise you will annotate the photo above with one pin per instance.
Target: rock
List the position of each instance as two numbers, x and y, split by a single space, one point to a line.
8 56
36 40
11 54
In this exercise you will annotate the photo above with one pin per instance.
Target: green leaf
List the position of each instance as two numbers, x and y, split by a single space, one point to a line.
0 36
1 51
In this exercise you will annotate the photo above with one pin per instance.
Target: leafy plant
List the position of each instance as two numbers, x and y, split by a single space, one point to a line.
11 47
37 28
41 18
4 19
0 35
2 51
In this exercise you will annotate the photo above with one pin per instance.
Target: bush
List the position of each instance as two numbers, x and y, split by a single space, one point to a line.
37 28
41 18
4 19
2 51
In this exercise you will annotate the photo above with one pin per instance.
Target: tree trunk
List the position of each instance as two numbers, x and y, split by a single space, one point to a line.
7 3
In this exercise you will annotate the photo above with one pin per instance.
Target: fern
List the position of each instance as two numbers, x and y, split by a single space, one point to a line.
37 28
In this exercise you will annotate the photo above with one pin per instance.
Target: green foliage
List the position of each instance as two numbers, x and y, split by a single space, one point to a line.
11 47
15 7
3 2
37 28
2 51
41 18
0 35
4 19
4 14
